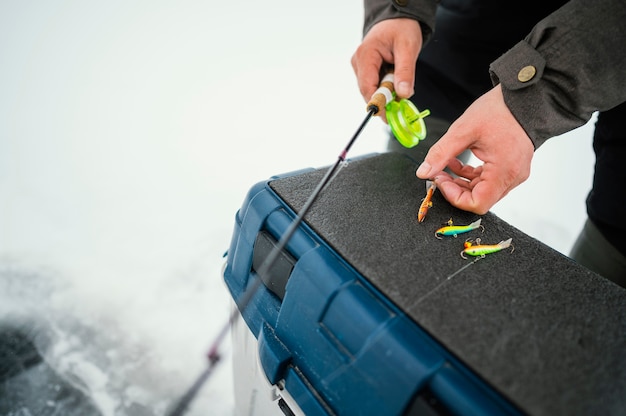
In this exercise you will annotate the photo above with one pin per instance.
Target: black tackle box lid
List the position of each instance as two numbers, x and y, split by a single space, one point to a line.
545 331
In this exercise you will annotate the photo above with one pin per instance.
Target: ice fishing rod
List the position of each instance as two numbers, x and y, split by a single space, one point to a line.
402 117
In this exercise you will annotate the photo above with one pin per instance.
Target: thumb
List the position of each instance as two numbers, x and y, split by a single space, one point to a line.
440 154
406 53
404 75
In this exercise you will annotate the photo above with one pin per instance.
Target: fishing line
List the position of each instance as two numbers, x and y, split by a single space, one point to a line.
430 292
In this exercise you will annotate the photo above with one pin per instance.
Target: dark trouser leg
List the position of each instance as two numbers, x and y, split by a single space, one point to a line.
593 251
601 245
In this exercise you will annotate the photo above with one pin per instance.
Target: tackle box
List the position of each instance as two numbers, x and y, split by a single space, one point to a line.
366 312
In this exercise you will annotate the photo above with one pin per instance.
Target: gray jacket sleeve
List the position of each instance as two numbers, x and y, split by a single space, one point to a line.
572 64
420 10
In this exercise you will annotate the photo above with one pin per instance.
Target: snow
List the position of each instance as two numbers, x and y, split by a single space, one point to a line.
130 133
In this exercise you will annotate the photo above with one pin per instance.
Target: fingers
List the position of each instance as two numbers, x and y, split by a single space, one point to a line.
474 196
396 42
464 171
443 153
492 133
466 199
477 189
405 53
366 64
467 191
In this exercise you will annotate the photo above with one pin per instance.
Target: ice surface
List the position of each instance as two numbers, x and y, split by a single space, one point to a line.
130 133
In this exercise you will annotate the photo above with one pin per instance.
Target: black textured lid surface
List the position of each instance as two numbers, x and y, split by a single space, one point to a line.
546 332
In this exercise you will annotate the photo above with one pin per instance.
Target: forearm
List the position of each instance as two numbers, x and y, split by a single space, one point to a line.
579 55
420 10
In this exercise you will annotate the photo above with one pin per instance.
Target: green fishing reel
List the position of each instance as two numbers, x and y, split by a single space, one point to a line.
406 122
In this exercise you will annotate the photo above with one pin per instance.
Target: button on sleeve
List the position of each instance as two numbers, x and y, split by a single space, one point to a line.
518 68
526 74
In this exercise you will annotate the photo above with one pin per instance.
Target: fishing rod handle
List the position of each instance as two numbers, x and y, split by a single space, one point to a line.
383 95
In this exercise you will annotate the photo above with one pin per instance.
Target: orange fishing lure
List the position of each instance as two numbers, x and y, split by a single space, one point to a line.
427 201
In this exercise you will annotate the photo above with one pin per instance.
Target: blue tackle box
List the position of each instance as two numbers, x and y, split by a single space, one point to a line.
367 312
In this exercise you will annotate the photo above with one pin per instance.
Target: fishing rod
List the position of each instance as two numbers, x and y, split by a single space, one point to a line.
383 97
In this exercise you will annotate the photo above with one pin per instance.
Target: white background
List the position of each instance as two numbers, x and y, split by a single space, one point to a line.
130 132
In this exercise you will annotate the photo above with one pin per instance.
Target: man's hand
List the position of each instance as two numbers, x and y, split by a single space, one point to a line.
490 131
393 41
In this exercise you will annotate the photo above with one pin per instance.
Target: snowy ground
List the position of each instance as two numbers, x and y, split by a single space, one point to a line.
129 135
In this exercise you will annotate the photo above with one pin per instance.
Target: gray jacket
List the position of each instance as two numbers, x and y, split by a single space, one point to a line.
570 65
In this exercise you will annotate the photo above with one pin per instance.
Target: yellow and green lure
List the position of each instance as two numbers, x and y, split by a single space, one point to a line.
480 250
455 230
